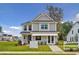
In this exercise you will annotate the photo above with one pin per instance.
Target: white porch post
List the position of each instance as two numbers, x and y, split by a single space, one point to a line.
33 38
27 28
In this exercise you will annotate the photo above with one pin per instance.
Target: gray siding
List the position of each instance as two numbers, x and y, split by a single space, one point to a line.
35 27
52 27
43 17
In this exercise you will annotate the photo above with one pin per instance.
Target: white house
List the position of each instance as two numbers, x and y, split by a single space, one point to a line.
42 29
1 34
73 35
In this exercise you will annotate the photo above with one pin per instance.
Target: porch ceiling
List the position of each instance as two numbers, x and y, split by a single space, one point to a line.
44 34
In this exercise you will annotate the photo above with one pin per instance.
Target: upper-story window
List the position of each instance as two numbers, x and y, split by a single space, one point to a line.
44 26
25 28
30 27
72 31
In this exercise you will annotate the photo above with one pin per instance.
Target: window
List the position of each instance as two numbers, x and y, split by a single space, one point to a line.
25 28
78 30
38 37
70 39
30 27
44 26
29 37
72 31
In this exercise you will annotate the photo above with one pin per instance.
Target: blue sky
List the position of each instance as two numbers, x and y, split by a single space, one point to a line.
13 15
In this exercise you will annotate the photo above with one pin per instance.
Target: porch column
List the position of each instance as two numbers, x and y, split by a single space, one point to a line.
33 38
27 28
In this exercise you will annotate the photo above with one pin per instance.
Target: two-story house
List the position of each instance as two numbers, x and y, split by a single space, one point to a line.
73 35
42 29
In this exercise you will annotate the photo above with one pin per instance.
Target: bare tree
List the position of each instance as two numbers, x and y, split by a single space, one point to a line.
56 13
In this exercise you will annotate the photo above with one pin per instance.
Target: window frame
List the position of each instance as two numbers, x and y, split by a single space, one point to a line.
39 37
44 26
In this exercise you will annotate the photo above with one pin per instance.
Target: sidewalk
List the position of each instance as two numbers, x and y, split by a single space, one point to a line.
35 53
55 49
26 53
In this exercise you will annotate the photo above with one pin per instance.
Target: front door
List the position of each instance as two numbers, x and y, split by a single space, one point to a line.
50 39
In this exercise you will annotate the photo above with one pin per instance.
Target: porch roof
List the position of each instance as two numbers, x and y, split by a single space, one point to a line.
45 34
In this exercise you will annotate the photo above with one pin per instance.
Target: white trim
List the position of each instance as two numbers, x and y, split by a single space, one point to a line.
44 35
43 29
48 27
41 15
55 26
44 22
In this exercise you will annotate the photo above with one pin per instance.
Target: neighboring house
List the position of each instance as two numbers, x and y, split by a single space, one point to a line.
42 29
6 37
73 35
1 34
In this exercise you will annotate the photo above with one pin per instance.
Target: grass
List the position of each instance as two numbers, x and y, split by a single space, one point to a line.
70 46
11 46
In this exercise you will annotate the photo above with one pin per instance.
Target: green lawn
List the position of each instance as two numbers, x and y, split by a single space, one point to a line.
70 46
62 46
11 46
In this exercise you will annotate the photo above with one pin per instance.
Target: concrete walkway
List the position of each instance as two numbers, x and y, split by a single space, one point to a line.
55 49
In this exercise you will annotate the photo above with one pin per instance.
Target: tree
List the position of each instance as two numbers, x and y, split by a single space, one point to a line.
0 29
56 13
66 26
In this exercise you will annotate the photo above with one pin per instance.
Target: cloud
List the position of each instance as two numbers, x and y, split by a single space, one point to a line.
15 27
13 30
6 31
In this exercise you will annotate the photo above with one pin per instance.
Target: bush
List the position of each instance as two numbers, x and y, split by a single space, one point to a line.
45 43
41 43
71 49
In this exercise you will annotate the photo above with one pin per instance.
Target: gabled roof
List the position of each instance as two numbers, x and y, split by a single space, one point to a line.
40 15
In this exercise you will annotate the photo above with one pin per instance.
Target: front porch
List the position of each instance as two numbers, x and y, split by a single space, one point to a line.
42 39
